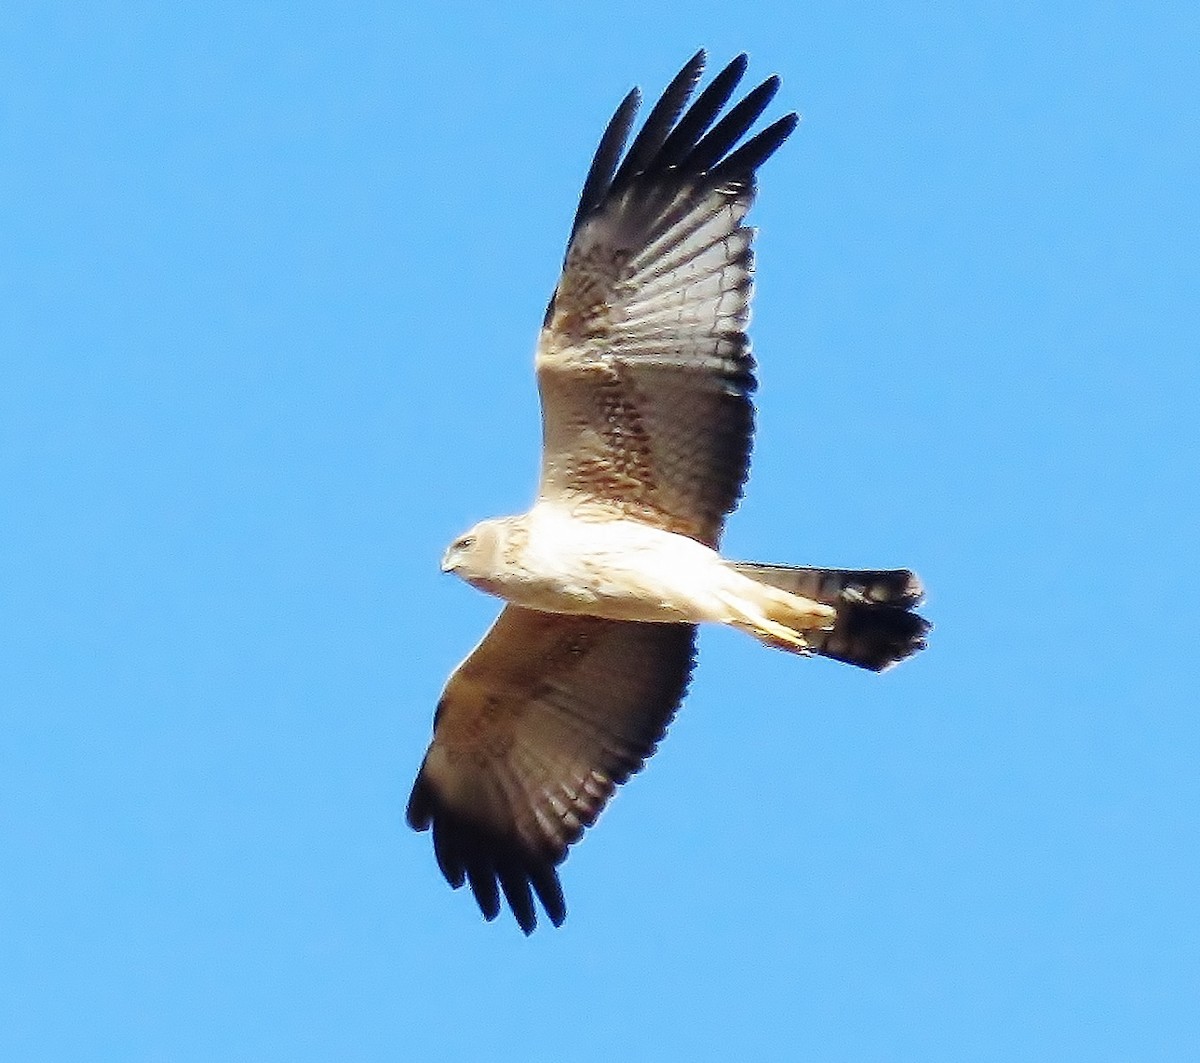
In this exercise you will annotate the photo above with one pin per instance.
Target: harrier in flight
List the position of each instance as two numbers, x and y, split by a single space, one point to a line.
645 375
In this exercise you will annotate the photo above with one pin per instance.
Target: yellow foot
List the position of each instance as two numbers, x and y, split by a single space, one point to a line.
781 637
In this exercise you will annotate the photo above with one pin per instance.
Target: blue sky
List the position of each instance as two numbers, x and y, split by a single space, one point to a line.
272 276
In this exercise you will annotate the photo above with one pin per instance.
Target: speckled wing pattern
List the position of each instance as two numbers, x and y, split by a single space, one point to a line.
534 731
643 363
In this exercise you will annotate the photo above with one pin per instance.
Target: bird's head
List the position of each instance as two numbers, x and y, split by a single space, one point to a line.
478 555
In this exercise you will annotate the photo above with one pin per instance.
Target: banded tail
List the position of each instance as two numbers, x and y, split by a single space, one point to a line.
875 625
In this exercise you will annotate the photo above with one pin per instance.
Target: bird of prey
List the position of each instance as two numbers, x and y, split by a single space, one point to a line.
645 376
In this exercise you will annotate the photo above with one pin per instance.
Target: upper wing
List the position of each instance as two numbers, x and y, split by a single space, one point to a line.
643 363
534 731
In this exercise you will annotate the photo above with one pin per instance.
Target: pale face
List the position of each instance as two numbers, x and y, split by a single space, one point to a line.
475 555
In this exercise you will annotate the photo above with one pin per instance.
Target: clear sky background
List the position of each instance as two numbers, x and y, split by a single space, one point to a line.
270 277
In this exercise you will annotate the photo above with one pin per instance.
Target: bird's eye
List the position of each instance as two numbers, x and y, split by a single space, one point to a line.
465 543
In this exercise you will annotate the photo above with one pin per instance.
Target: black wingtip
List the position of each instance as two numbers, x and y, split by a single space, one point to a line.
548 887
684 140
468 854
419 813
515 886
702 113
760 147
711 148
608 153
658 124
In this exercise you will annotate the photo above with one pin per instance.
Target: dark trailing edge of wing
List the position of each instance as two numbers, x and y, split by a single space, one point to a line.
687 141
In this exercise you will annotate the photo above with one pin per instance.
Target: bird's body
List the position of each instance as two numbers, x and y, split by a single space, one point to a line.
645 375
560 561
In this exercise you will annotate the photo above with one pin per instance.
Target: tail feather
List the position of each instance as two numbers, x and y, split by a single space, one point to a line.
875 625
